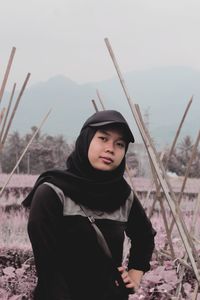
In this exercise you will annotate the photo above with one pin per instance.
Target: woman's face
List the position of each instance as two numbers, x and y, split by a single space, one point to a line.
107 149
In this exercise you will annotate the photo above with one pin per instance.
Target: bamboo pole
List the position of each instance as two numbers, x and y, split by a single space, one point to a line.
194 151
7 73
181 274
195 216
193 227
168 256
178 131
164 216
152 186
100 99
2 115
183 267
14 111
23 153
170 196
157 187
174 143
8 110
94 104
195 293
184 263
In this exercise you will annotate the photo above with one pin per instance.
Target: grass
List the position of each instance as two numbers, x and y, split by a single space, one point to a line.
13 229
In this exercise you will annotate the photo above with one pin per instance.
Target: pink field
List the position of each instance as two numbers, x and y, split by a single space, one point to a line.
18 273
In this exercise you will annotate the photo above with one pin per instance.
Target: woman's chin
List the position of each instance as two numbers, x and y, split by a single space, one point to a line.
104 167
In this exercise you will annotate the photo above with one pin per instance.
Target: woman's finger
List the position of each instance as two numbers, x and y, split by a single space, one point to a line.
125 275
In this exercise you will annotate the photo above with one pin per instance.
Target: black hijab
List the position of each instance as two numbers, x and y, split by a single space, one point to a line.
96 189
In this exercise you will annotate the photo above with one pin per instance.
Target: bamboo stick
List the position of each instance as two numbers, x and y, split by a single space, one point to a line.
183 267
157 187
196 240
8 110
181 273
23 153
184 263
195 293
14 111
179 260
174 142
94 104
165 219
152 186
100 99
7 73
170 196
194 151
178 131
195 216
2 115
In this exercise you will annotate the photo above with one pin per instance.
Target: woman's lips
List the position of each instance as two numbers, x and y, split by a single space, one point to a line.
106 160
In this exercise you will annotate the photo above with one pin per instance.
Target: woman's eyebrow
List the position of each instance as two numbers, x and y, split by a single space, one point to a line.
107 133
103 131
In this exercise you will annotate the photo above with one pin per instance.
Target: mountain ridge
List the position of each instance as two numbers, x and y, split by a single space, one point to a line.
162 93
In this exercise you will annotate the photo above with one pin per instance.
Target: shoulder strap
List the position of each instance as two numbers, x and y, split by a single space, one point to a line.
104 246
100 238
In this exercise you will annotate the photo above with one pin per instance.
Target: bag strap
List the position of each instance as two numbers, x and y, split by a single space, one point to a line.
100 238
104 246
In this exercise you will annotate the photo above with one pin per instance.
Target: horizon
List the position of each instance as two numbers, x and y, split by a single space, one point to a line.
114 77
167 92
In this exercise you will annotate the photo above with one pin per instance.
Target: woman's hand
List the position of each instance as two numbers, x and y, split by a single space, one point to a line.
131 278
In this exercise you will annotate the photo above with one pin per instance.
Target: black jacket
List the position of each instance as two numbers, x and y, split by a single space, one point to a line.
69 262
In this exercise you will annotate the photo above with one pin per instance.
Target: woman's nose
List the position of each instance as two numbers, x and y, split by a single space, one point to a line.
110 147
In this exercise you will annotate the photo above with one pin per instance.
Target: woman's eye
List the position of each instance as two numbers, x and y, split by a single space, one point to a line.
103 138
121 144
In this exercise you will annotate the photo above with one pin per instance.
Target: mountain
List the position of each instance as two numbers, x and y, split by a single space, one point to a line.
162 94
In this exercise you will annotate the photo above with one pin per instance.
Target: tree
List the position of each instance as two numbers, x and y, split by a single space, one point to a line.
11 153
44 153
180 158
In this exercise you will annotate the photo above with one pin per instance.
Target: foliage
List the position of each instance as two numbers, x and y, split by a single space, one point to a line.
17 274
179 160
44 153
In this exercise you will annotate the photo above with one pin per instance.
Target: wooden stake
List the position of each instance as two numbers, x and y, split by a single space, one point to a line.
173 144
23 153
7 73
195 293
2 115
178 132
170 196
100 99
194 151
8 110
158 194
14 111
192 230
94 104
196 215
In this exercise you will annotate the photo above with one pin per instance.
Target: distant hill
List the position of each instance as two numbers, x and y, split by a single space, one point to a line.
162 92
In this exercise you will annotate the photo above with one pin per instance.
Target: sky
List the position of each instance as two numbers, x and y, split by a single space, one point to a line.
66 37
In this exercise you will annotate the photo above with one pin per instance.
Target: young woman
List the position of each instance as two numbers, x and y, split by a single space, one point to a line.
70 262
